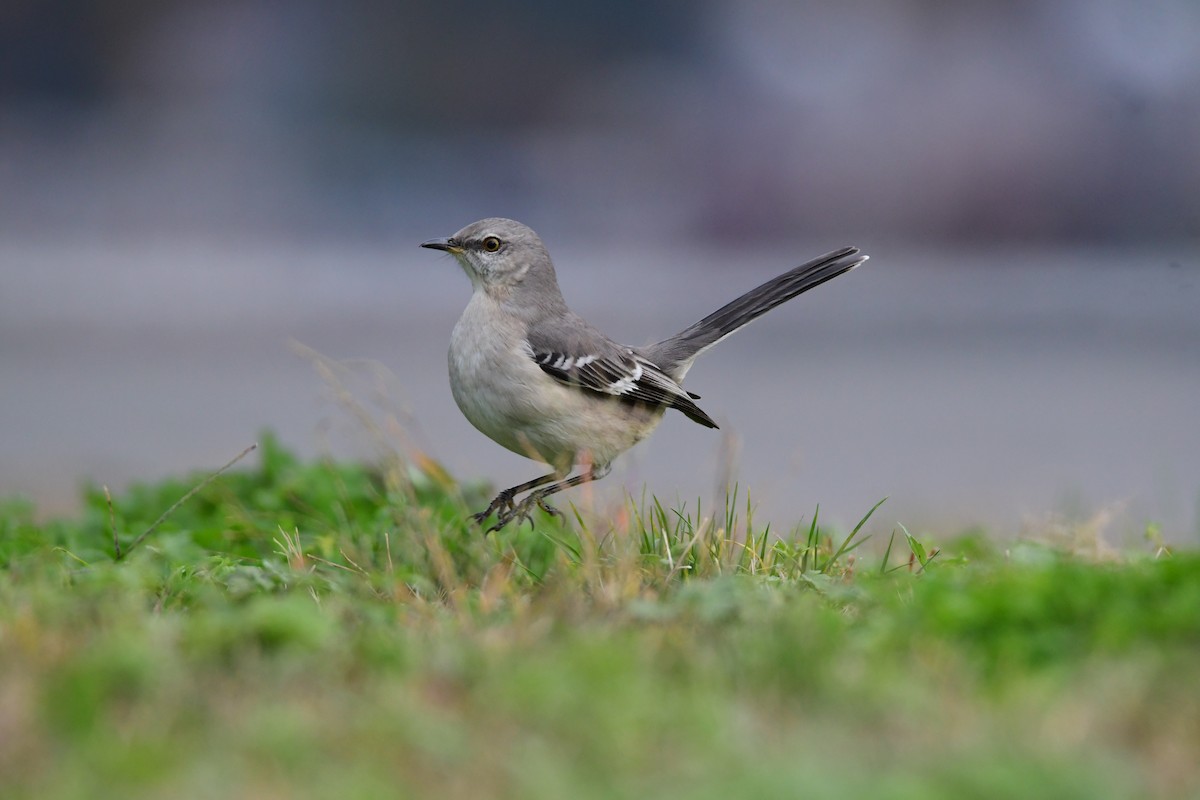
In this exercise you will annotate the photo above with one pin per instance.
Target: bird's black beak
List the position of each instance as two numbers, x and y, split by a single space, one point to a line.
447 245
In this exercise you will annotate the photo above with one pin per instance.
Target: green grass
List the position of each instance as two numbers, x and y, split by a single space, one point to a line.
329 630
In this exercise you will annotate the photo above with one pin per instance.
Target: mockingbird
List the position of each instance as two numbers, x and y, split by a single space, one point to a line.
539 380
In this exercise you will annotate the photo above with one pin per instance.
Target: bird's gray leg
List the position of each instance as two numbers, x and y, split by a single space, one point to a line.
538 498
503 503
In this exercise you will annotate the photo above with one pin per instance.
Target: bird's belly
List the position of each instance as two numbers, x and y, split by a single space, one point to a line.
488 396
492 380
502 391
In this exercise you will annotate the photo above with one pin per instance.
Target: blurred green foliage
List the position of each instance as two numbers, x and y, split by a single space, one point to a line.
334 630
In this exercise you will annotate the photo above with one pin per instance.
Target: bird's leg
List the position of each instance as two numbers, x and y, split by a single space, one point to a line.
538 498
503 503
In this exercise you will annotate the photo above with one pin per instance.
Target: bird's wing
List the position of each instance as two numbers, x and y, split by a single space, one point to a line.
620 373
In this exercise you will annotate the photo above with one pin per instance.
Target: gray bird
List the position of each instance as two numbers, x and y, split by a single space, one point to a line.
540 380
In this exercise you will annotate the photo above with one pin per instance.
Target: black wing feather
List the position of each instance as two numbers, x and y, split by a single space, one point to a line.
625 376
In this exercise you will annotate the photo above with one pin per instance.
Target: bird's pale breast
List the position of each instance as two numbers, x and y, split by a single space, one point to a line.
502 391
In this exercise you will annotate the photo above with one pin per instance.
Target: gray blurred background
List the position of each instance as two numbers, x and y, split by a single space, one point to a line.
188 188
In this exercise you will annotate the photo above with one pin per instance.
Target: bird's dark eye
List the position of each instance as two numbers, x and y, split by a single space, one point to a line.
491 244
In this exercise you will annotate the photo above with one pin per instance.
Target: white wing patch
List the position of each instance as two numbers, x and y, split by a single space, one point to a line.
560 361
628 376
622 375
627 383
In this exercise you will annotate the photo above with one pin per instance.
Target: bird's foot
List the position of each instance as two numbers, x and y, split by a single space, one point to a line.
501 505
523 511
549 509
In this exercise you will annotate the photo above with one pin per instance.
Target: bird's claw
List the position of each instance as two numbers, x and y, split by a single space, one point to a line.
522 511
519 511
502 506
549 509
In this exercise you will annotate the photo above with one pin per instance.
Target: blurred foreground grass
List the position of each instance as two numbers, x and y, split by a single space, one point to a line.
329 630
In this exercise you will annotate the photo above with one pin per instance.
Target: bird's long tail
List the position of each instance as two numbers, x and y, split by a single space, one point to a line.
675 355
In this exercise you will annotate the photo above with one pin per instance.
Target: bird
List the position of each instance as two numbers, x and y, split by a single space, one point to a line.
541 381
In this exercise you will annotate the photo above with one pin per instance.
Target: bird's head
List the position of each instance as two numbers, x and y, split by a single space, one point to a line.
499 255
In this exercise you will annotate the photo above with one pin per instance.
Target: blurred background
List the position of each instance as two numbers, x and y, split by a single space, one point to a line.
190 189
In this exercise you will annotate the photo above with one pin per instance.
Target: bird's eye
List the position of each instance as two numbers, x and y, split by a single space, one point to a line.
491 244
